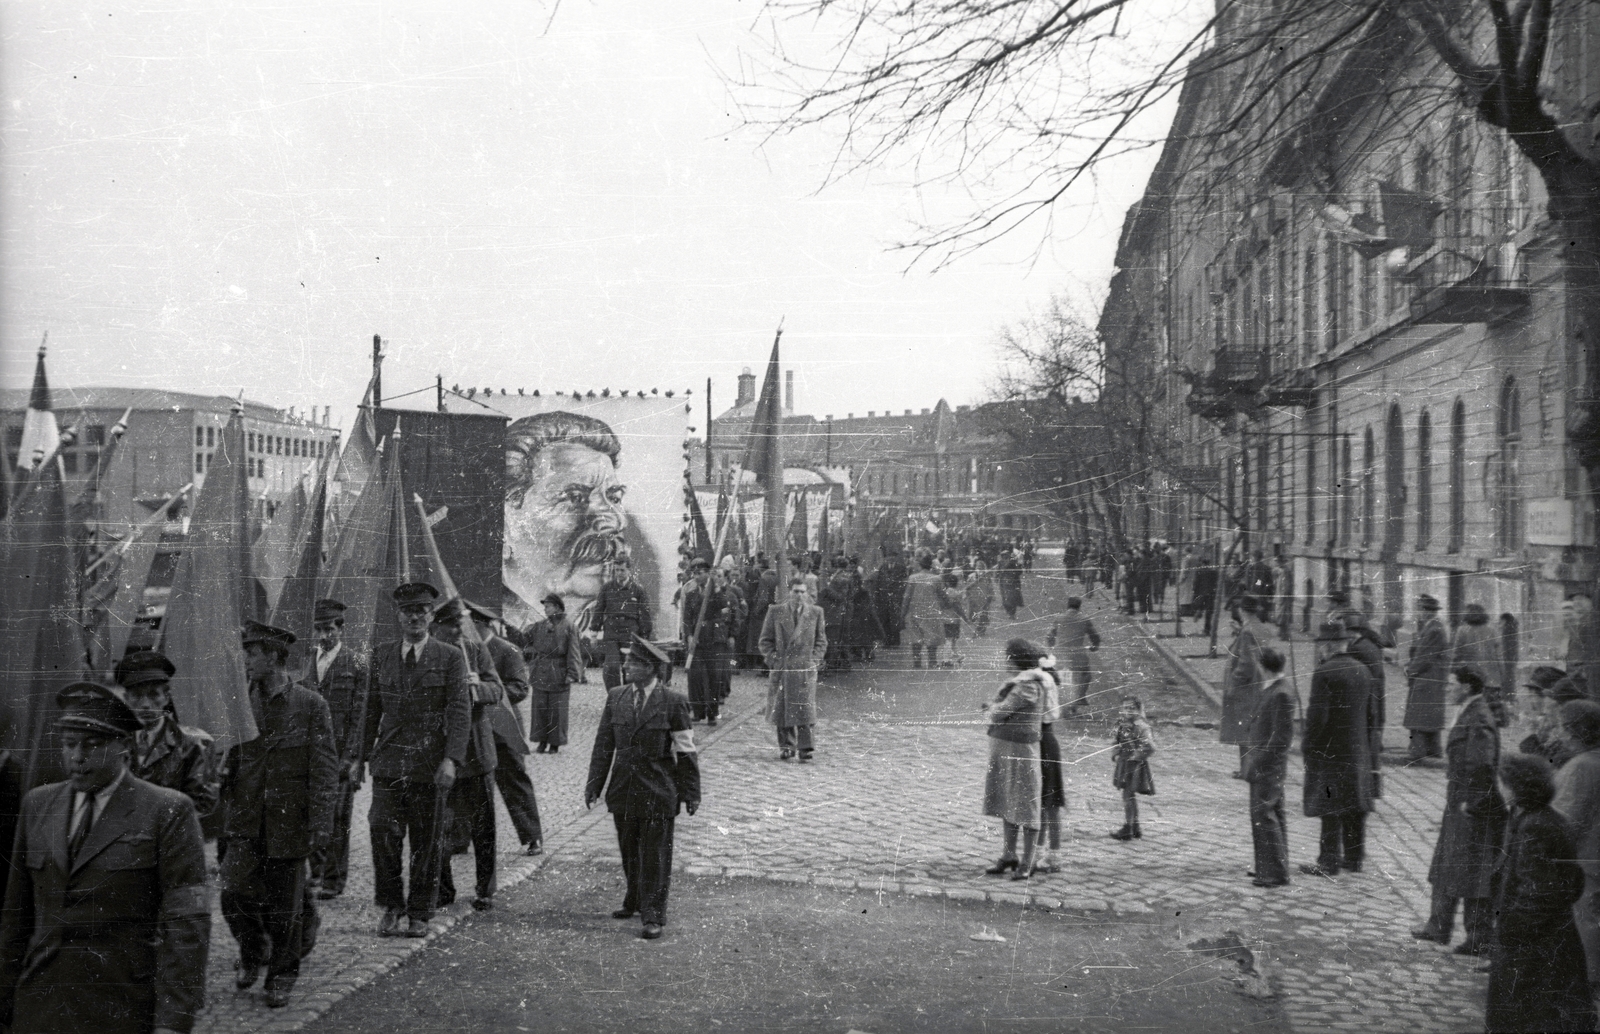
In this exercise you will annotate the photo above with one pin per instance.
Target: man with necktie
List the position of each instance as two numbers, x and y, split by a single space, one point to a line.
419 718
107 919
278 795
340 676
794 642
644 759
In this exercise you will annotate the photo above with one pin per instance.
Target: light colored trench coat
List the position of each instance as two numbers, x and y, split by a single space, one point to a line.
793 650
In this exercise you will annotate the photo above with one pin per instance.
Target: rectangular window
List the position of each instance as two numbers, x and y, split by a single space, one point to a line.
1308 306
94 434
69 461
1330 308
199 437
199 463
211 437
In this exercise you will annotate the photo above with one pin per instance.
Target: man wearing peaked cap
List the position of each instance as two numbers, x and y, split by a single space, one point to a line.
107 919
164 752
1427 672
278 794
339 675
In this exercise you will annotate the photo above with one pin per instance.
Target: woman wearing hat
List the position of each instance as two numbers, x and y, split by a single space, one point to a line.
1548 688
1012 789
555 661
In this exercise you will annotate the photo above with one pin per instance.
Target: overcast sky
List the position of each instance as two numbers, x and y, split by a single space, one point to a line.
210 195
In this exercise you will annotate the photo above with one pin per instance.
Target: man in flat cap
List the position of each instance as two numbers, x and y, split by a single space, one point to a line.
1336 747
471 799
278 795
555 661
340 676
510 742
419 720
165 753
107 919
1427 672
644 759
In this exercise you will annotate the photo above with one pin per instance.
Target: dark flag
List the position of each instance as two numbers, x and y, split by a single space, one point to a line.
40 433
297 599
799 530
362 572
213 594
763 454
701 541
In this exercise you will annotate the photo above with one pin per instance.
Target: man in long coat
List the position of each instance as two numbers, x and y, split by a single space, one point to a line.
107 919
1265 766
794 642
555 662
278 794
1368 649
1009 578
1338 738
644 758
419 720
1077 637
510 742
1468 848
340 675
709 670
1241 679
889 594
922 613
1578 801
1426 674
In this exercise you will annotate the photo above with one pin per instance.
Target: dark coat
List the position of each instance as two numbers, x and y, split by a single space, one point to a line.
620 612
1539 981
279 788
181 759
118 943
1241 681
505 719
1338 739
1009 577
1469 841
1271 734
554 655
834 598
713 630
633 758
343 686
1369 651
1427 672
759 600
417 719
486 700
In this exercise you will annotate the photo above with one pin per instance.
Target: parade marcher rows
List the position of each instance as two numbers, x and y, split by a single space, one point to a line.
555 663
340 675
165 753
419 721
510 744
645 762
1474 821
1538 980
1577 800
1011 787
1074 637
278 795
1336 744
621 612
107 921
1426 673
1241 679
1266 766
794 642
708 674
922 612
471 798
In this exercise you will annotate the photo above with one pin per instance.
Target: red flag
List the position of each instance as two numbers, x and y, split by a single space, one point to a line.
41 640
700 546
762 452
362 570
213 593
298 596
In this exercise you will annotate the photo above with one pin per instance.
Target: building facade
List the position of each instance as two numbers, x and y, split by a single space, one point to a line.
1359 341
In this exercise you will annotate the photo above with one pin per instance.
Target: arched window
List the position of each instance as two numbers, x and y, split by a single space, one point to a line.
1508 496
1424 479
1458 476
1394 487
1369 463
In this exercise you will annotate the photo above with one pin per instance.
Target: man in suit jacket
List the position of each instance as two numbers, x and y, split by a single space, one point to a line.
645 760
794 642
278 795
1266 764
510 743
419 719
107 919
340 676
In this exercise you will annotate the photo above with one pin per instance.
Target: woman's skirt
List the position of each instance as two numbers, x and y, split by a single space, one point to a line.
1011 788
1053 792
549 724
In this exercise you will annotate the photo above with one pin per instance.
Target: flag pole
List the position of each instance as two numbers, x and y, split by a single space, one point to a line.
771 531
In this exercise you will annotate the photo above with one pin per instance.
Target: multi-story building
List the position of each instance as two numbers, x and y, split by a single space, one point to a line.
1359 339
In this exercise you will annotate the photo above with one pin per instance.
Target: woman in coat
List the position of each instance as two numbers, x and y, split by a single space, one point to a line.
1241 680
555 661
1537 980
1477 648
1012 789
1010 578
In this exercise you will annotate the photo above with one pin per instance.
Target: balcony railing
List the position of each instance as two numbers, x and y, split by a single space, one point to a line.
1242 380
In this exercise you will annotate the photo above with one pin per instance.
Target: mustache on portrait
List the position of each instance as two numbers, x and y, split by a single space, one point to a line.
597 546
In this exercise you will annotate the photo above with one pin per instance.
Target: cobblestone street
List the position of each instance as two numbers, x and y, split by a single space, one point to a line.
892 806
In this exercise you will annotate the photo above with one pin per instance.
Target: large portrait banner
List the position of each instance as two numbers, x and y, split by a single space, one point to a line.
594 489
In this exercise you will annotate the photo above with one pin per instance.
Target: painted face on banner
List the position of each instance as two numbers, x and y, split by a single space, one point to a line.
567 526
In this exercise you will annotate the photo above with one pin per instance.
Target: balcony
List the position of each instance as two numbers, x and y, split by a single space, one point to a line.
1468 302
1291 388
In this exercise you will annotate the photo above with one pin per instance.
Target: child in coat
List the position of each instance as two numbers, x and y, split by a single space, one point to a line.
1135 742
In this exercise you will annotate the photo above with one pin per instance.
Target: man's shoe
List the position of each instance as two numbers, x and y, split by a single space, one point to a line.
1467 948
555 750
1349 866
1121 834
623 913
247 974
1004 865
537 847
276 997
1428 933
328 894
711 723
1259 882
1317 870
417 928
482 904
785 755
390 925
651 931
805 755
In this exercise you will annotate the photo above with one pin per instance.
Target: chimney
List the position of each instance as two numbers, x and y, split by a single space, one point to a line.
871 413
908 412
924 412
747 387
788 391
849 416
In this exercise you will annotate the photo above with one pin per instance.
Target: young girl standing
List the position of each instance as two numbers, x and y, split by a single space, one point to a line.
1131 755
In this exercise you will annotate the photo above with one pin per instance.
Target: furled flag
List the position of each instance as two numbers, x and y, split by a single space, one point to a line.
213 594
41 436
364 567
298 594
